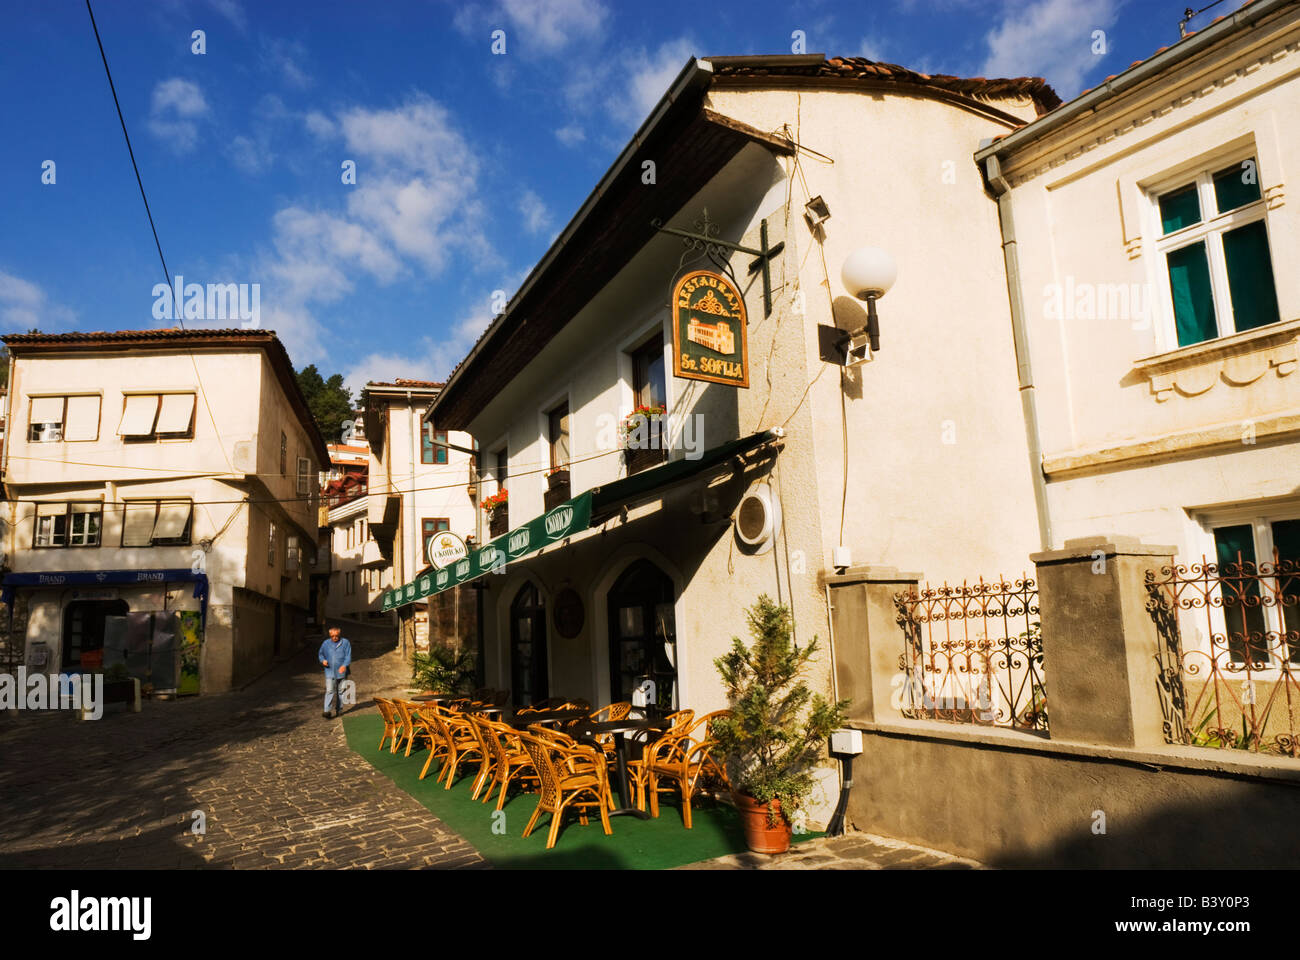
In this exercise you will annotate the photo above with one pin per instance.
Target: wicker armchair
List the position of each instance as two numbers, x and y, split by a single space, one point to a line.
392 723
687 761
561 788
679 722
406 712
462 743
509 759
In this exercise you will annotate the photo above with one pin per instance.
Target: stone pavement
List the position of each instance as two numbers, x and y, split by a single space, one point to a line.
274 782
854 851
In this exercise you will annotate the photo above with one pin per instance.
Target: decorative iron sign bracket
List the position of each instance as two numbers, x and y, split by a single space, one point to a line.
707 240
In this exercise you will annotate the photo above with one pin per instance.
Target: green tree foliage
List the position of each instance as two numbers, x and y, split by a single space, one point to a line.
329 401
777 727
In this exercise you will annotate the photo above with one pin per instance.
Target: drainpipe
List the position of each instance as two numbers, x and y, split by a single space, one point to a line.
1024 369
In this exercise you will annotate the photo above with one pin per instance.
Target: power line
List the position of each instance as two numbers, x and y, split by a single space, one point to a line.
122 120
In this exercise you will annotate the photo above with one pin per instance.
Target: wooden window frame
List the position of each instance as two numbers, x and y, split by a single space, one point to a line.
1210 230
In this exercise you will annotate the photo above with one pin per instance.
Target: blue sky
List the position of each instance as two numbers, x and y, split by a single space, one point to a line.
468 163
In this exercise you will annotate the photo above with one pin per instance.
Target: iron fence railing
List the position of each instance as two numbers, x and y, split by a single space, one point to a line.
1229 653
973 654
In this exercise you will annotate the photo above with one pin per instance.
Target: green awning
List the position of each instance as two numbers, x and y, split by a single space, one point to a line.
572 516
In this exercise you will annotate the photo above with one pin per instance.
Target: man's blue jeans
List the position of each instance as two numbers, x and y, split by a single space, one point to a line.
334 690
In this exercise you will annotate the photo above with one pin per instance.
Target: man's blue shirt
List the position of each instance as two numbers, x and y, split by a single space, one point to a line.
336 654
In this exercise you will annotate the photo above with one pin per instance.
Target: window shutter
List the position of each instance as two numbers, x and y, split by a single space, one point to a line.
138 415
173 517
47 410
83 419
137 523
177 412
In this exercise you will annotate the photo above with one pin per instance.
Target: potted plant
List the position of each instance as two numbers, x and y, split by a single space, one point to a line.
642 436
557 486
777 727
496 506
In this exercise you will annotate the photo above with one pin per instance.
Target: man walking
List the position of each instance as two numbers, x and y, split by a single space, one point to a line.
335 656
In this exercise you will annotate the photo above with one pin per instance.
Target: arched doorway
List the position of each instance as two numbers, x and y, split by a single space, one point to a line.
528 682
83 631
643 634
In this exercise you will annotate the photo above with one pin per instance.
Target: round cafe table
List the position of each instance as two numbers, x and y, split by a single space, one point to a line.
588 730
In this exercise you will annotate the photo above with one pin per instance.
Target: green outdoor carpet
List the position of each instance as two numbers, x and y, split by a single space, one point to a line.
634 845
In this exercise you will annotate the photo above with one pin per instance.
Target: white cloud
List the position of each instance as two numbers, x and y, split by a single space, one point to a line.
232 11
414 207
650 74
536 217
570 135
319 125
249 156
285 57
24 306
1049 38
534 26
175 110
427 359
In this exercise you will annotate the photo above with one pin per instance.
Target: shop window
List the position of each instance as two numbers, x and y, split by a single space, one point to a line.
1214 251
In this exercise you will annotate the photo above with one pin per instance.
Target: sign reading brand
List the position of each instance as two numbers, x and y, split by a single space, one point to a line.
462 569
709 341
442 577
445 548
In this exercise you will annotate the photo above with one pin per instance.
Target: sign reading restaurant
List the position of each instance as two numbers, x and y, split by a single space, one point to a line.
709 330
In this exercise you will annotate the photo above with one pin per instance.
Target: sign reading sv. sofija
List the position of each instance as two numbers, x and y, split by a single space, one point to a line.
709 340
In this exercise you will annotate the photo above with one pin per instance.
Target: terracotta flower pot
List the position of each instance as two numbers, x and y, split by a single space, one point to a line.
760 837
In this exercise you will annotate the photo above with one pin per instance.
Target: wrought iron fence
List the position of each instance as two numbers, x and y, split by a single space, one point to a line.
973 654
1229 653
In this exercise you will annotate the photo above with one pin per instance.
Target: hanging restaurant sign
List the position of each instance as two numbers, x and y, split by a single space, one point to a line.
709 330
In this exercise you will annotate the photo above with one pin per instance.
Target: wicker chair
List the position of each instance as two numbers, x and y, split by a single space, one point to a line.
561 788
392 723
406 712
426 722
687 760
510 761
462 743
679 722
615 711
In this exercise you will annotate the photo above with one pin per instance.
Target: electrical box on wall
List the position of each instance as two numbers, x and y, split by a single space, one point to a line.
846 741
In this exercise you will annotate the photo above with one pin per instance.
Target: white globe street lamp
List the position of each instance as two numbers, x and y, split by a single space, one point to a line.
868 273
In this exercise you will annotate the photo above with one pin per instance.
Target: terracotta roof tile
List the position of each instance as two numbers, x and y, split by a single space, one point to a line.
1034 88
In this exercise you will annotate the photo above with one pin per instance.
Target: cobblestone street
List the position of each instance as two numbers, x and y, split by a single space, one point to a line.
275 782
274 779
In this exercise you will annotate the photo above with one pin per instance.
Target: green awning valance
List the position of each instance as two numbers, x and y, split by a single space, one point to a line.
570 517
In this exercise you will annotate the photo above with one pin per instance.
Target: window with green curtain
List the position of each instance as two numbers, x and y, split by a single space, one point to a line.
1250 276
1236 186
1180 208
1189 283
1242 614
1286 541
